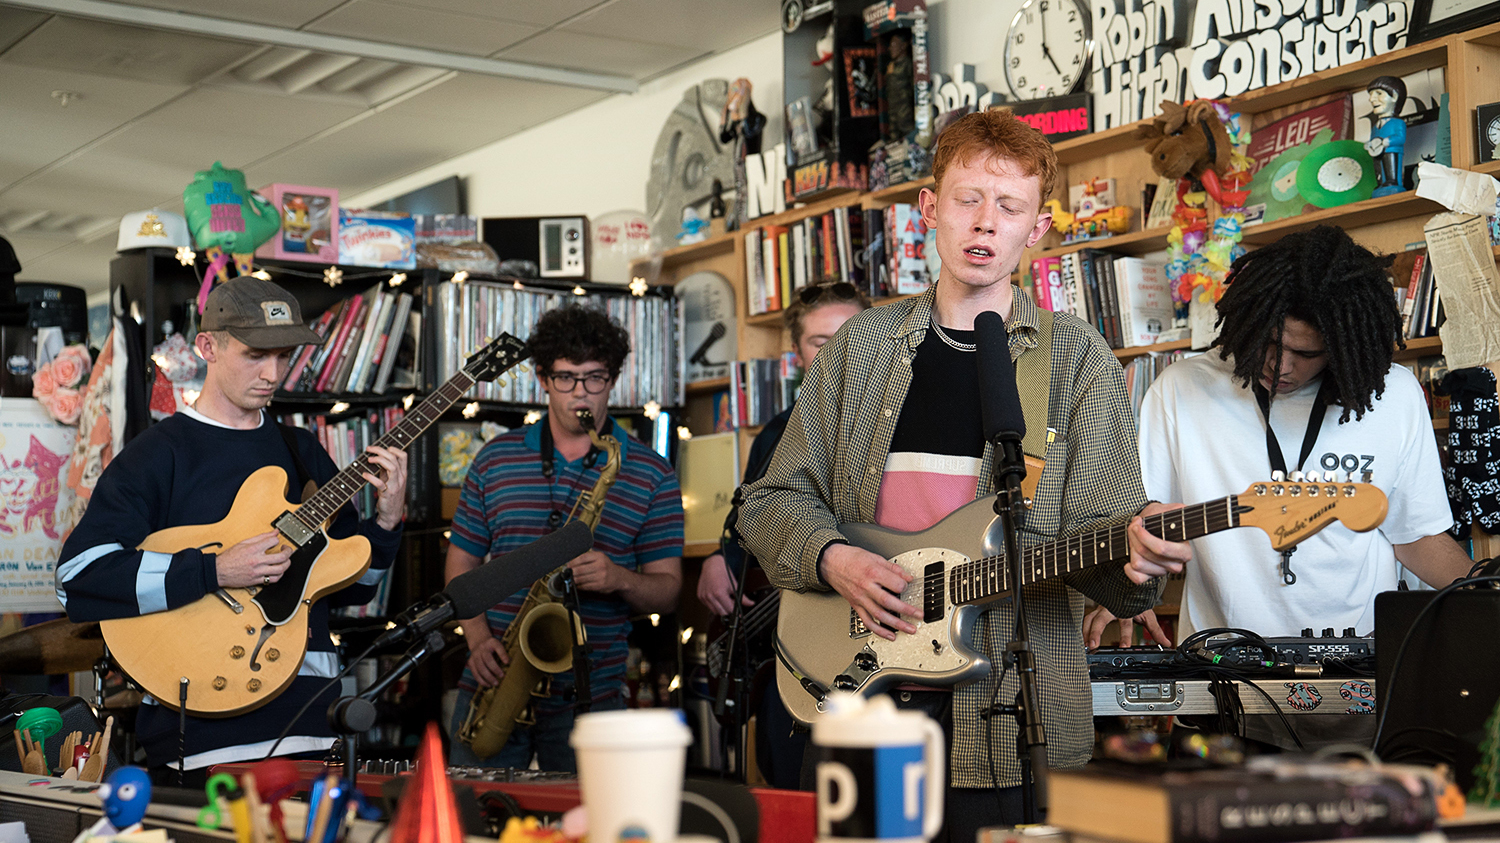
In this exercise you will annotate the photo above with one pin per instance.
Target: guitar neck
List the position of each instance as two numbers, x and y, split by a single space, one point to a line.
316 510
989 577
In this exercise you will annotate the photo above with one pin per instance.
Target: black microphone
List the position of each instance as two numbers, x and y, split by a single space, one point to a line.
473 592
999 402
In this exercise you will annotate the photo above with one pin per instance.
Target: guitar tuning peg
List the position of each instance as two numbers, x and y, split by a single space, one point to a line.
1314 477
500 382
523 367
1277 477
1367 477
1296 477
488 340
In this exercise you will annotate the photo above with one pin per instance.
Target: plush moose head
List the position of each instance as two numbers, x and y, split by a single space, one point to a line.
1186 140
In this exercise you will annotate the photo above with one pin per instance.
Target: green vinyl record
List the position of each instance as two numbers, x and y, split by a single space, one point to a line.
1336 174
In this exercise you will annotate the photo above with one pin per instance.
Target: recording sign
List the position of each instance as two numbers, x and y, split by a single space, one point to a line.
1059 118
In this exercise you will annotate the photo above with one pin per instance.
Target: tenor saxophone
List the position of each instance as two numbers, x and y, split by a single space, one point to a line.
543 631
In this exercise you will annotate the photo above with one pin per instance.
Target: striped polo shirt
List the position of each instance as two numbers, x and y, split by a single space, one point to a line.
505 503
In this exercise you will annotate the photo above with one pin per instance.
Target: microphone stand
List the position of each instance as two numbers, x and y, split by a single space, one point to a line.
1031 732
721 693
583 694
351 716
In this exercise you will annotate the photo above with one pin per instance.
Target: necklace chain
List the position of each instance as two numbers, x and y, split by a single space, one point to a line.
951 342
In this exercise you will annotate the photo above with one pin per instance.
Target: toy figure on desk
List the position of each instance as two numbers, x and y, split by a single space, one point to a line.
126 794
1387 143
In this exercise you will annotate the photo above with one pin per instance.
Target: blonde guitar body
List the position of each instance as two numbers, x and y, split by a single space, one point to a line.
234 661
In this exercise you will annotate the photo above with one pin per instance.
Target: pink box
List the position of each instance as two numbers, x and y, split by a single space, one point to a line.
309 223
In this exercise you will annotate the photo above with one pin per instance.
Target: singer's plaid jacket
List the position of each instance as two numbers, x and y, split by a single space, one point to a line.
828 469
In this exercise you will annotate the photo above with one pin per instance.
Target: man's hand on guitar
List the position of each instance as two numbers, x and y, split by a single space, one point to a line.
487 661
1095 622
390 486
258 560
716 584
872 585
1151 556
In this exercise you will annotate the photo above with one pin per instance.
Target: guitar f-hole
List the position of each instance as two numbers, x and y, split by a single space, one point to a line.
265 635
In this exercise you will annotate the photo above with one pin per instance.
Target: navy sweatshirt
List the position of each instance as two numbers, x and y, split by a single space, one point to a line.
186 471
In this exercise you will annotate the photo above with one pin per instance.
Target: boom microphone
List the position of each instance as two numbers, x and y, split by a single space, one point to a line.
999 402
472 592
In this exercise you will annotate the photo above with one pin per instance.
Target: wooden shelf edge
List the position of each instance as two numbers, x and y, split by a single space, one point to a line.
1138 350
1420 347
1489 168
896 192
791 215
769 319
712 247
707 387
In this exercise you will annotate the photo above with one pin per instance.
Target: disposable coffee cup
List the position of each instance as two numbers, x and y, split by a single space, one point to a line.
630 773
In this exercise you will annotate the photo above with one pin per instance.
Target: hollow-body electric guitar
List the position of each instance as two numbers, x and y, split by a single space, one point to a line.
958 565
238 648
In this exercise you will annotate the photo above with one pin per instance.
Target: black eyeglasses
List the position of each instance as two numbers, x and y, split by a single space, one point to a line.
593 382
840 290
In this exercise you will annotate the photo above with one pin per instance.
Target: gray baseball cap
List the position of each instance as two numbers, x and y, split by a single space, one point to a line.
257 313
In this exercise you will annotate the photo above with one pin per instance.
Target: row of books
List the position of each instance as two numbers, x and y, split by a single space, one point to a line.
1144 369
468 313
370 343
882 251
758 391
1416 295
1271 800
1127 299
345 437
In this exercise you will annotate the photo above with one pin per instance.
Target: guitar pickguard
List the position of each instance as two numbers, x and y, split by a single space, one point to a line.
280 599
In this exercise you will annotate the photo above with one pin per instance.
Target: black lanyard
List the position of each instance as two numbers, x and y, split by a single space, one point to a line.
556 517
1278 461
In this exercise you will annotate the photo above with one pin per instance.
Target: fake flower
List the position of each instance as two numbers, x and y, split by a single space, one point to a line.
58 383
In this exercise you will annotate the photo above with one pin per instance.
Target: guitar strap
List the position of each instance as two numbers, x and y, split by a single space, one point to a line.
304 478
1034 383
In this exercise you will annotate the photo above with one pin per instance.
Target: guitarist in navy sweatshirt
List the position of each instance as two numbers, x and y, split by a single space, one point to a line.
187 470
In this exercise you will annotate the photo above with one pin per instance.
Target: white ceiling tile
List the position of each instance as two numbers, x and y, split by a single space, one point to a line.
523 11
421 132
431 28
287 13
82 264
702 26
15 23
635 59
128 52
37 129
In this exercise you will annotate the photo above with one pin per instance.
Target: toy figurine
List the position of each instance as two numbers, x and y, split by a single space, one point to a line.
1387 143
743 125
126 794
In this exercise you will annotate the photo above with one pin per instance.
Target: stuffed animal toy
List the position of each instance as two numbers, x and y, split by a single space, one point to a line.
1187 140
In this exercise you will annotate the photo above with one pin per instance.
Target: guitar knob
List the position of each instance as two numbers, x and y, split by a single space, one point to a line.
236 652
1327 632
866 661
253 685
1350 633
1307 632
273 654
220 683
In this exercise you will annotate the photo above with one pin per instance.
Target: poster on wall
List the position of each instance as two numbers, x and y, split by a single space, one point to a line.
34 452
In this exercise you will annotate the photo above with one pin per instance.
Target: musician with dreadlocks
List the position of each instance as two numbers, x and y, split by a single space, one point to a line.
1308 325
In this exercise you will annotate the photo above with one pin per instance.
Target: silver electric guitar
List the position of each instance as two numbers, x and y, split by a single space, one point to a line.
958 565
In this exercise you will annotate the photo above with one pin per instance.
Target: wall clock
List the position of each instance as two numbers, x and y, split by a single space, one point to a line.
1047 49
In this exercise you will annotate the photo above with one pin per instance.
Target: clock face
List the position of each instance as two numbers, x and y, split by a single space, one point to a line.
1047 49
1493 132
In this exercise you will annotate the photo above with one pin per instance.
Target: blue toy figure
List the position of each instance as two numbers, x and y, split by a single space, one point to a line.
126 794
1387 142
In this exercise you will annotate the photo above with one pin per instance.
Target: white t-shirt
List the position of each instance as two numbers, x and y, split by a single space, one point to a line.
1202 437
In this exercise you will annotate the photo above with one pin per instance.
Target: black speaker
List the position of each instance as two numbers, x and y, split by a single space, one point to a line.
76 717
1436 703
56 305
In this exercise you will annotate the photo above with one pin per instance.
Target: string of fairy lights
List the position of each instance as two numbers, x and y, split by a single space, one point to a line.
333 276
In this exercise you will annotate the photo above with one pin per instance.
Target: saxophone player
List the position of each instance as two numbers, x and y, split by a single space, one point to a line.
523 485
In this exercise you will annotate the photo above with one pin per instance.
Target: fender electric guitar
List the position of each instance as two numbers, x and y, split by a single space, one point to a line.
237 648
958 565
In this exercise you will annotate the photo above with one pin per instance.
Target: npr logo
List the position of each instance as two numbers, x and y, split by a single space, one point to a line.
871 793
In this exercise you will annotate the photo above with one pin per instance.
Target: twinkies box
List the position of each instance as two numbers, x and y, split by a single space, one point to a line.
377 238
